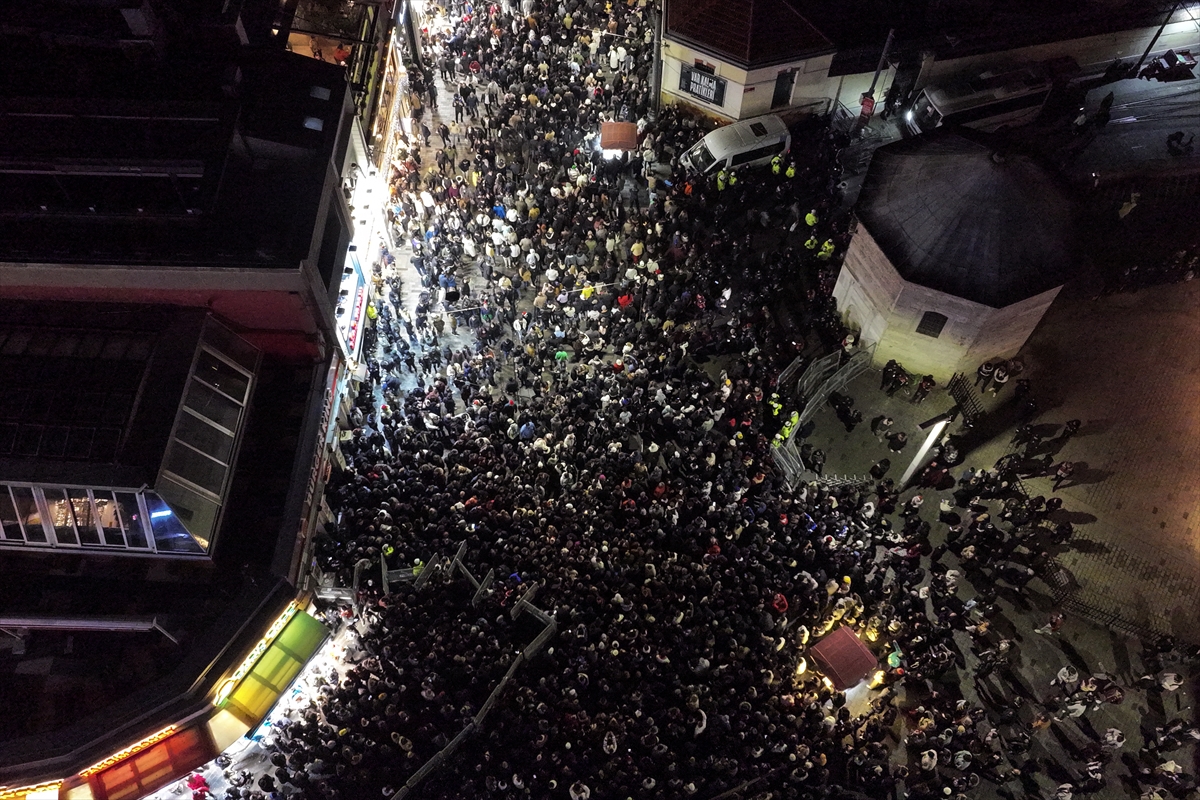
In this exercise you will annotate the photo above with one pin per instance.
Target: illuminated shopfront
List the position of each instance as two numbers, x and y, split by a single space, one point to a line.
247 694
394 120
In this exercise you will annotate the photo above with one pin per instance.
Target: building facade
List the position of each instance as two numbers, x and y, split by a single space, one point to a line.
733 60
179 227
959 251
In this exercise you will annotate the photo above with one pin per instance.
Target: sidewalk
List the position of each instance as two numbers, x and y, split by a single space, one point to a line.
1082 643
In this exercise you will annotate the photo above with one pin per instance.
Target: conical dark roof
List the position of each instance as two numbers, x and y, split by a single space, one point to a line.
746 32
954 215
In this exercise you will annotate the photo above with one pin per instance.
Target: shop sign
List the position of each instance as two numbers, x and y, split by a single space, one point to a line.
707 87
22 791
268 638
121 755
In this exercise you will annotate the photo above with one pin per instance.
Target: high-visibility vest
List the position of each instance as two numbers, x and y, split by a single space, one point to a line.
811 243
790 171
732 178
811 219
721 179
776 163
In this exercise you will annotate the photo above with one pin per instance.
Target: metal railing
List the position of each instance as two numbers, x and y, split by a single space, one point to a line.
832 375
447 569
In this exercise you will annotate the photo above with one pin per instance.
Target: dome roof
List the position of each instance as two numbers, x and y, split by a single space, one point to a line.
952 214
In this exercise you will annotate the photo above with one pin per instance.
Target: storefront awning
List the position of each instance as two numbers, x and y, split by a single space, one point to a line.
618 136
275 669
843 658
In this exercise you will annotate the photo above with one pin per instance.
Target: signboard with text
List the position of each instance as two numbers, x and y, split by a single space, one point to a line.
708 88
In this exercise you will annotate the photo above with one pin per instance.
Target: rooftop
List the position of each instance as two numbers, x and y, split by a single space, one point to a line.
954 214
747 32
229 176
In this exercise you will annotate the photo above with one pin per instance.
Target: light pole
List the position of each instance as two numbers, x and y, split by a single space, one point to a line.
936 427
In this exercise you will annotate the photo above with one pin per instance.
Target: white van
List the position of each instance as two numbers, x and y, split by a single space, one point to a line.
987 102
748 143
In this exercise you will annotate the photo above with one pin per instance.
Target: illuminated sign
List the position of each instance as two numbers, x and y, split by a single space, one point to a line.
230 683
704 85
121 755
20 791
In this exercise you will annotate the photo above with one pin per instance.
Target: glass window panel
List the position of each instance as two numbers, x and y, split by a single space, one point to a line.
131 515
40 344
195 467
54 442
17 341
204 437
140 348
87 410
85 516
8 438
110 519
79 443
104 446
231 345
211 405
12 401
116 408
219 375
10 527
27 512
66 344
171 534
90 347
29 440
195 511
115 346
62 405
61 518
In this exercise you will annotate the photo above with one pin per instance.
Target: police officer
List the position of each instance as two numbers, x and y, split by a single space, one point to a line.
776 164
811 242
811 218
722 179
733 178
826 250
776 406
791 169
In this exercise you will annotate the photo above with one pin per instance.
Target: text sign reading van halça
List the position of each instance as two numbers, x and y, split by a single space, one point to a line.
707 87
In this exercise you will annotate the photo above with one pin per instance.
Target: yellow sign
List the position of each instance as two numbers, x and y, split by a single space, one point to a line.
20 791
121 755
230 683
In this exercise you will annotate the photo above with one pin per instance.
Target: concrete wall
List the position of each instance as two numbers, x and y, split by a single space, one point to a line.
886 310
1092 53
1007 329
867 287
749 93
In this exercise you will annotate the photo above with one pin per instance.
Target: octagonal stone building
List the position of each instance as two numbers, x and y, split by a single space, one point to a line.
959 251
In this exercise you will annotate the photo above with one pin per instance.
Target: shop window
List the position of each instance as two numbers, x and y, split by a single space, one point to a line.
221 376
28 514
10 524
61 518
85 516
932 324
131 517
110 519
154 768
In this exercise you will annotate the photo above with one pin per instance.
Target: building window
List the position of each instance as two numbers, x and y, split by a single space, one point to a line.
932 324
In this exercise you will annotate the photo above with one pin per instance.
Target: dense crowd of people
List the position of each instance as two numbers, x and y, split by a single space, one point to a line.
602 428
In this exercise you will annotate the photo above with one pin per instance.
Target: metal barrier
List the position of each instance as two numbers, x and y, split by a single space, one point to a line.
446 569
963 392
832 377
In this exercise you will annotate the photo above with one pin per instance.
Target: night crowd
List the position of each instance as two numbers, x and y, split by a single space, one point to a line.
606 434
